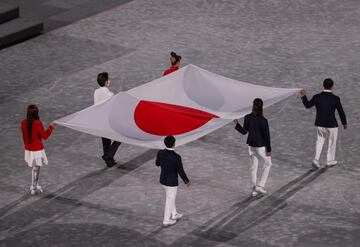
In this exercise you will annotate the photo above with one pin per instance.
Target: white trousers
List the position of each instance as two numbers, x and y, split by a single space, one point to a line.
322 134
257 154
170 208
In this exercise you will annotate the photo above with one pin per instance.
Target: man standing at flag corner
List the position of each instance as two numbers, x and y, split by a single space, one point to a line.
175 63
100 95
171 166
259 145
327 127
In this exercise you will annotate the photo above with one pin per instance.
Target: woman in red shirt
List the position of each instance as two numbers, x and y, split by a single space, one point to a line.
33 133
175 63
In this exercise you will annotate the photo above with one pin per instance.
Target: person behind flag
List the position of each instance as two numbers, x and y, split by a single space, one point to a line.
171 166
33 133
175 63
257 127
326 124
100 95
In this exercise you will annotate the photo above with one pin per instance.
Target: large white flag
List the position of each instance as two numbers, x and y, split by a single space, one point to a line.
188 104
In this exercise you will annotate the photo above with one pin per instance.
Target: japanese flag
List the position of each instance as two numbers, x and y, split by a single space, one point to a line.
188 104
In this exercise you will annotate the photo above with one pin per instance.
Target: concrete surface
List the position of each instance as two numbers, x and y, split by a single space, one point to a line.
271 42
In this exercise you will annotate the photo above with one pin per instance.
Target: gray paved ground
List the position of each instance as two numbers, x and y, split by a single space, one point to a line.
275 43
58 13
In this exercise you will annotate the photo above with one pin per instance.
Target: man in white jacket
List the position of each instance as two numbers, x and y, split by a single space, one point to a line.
100 95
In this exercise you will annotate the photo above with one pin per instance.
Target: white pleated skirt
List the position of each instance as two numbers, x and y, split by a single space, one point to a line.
37 158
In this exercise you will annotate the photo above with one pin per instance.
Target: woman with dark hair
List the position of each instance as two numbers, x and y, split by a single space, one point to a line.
33 132
175 63
259 144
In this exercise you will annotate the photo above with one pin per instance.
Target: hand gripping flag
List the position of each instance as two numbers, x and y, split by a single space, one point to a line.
188 104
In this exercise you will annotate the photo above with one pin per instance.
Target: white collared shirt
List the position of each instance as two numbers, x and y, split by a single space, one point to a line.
172 149
102 94
328 91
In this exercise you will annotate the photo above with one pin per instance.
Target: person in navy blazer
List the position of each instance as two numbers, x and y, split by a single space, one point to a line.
171 166
326 103
257 128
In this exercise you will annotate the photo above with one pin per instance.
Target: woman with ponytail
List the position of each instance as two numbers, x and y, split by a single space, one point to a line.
259 144
33 133
175 63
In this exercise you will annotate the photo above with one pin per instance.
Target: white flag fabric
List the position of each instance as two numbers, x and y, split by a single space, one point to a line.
188 104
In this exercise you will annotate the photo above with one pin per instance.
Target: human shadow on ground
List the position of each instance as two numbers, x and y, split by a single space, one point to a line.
7 208
246 214
81 235
51 206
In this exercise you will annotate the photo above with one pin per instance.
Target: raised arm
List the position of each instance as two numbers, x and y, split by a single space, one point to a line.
307 103
44 134
243 130
304 99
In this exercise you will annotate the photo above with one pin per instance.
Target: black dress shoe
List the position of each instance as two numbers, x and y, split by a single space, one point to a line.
109 162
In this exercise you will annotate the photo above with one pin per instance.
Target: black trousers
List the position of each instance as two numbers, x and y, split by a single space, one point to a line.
109 147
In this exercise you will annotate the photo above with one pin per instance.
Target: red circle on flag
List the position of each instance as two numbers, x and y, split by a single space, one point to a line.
166 119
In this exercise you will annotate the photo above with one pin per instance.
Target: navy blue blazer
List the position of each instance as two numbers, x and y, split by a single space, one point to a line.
171 167
258 128
325 103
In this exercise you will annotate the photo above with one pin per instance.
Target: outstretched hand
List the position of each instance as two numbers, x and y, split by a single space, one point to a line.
188 184
52 124
236 121
302 92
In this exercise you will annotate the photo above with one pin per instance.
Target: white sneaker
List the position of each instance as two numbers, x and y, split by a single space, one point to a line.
39 188
260 190
315 164
177 216
331 163
254 192
169 223
32 190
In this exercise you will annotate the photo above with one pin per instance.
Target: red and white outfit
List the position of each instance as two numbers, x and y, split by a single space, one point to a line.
34 151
